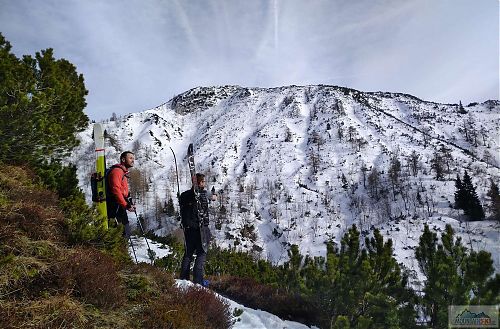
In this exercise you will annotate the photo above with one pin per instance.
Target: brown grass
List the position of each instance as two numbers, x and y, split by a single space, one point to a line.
145 282
260 296
47 283
190 308
33 220
36 221
14 176
7 233
27 207
18 184
52 312
17 272
90 274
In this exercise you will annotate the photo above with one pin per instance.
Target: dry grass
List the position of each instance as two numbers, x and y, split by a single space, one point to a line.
18 184
191 308
12 177
45 282
260 296
52 312
35 221
27 207
145 282
91 275
18 272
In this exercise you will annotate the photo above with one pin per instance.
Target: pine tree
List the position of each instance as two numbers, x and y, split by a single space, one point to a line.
41 106
437 164
364 169
461 109
460 197
477 272
472 207
294 281
447 158
170 209
452 274
394 174
494 195
345 184
429 261
466 198
374 182
289 136
366 285
394 169
342 322
414 160
41 110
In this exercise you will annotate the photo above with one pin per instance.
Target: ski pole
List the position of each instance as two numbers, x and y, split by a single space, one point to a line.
140 224
150 252
133 250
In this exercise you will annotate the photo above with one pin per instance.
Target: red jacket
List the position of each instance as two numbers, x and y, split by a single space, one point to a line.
118 185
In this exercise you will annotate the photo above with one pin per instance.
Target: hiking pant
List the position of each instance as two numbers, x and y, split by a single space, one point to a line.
193 245
122 218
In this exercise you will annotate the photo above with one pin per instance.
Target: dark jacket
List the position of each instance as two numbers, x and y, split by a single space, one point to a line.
192 212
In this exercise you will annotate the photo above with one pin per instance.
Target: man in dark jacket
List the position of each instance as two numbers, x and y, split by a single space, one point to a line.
194 220
117 191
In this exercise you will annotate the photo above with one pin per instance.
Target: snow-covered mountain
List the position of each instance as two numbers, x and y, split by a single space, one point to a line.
301 164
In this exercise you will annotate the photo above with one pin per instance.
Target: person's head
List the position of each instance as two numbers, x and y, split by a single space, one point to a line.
127 159
200 180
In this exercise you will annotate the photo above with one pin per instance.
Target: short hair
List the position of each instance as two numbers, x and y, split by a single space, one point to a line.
124 155
199 177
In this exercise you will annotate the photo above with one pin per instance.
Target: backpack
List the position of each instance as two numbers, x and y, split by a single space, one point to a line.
188 209
193 212
95 178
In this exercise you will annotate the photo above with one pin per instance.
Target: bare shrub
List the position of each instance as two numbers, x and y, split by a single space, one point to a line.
14 176
42 198
144 282
7 232
249 292
38 222
18 272
53 312
92 276
193 307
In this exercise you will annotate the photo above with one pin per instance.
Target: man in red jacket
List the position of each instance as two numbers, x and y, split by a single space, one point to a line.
117 192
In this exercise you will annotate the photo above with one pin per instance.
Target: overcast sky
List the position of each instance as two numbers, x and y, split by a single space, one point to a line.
135 55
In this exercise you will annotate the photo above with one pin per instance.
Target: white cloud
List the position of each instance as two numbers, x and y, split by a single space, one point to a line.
137 54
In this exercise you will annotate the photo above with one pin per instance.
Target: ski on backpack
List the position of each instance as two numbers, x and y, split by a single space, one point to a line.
192 169
204 230
98 178
178 185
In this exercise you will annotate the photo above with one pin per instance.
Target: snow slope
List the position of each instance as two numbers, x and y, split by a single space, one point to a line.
248 319
291 165
251 318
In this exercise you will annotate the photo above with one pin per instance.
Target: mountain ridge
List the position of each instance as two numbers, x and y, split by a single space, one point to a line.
293 163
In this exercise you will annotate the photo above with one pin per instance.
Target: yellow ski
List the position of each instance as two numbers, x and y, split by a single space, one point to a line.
100 166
